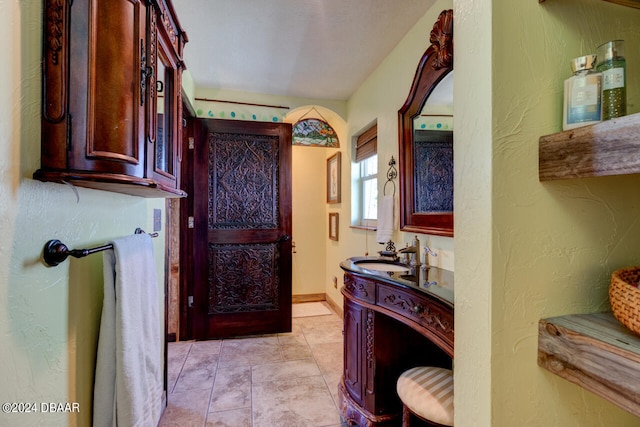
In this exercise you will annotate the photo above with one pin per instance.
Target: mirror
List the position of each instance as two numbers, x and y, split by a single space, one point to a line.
426 153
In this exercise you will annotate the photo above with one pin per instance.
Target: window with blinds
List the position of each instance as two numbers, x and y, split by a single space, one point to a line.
367 164
367 144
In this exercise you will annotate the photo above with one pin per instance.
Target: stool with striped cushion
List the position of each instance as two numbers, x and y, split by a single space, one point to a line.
427 392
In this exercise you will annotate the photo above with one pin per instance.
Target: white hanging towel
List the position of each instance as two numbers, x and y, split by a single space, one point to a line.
385 219
128 390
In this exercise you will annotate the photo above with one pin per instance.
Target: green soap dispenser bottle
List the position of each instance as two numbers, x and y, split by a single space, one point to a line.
612 65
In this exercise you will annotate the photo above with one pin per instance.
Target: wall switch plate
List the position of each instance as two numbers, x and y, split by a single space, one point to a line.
157 220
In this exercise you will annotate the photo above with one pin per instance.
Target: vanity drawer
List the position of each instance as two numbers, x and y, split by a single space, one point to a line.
428 313
359 288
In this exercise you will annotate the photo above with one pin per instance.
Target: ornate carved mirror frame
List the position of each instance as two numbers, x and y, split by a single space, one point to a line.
435 64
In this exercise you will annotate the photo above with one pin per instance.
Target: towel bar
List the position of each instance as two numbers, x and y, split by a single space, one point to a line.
56 252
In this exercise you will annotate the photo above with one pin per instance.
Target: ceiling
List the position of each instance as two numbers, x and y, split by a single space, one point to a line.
303 48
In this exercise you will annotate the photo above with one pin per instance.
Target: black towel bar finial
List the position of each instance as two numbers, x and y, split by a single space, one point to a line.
392 174
56 252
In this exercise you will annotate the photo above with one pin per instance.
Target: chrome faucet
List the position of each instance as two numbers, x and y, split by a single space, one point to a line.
428 251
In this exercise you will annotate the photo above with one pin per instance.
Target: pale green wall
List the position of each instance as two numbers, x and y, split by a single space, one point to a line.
473 165
49 316
526 250
188 87
267 106
378 100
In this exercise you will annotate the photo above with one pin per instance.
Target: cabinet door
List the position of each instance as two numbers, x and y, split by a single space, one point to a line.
106 120
354 331
163 126
164 113
100 112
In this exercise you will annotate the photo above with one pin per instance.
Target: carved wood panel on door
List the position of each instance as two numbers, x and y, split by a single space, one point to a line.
242 226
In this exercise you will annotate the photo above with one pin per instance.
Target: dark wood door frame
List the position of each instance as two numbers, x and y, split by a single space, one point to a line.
196 253
186 211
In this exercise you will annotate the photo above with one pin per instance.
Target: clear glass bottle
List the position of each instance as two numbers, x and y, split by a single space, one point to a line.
582 94
612 65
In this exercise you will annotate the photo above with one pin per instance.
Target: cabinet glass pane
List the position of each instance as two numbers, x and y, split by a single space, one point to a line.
164 152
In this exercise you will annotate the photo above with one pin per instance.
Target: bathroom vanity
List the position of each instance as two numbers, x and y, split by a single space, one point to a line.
395 317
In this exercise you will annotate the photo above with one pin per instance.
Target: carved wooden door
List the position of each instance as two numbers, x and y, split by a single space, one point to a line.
241 228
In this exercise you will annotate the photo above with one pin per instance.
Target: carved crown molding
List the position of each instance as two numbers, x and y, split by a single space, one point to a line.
441 39
55 28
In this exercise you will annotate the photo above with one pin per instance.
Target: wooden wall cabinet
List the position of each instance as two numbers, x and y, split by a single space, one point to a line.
111 102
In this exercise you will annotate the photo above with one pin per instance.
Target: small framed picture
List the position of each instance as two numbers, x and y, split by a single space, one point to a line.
333 178
333 226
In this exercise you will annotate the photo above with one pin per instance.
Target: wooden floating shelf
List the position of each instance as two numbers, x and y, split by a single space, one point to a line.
607 148
596 352
629 3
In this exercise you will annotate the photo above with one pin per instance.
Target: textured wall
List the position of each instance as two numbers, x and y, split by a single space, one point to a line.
524 249
49 317
472 117
378 100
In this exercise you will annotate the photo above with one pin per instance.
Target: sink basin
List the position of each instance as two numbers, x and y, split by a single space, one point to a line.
382 266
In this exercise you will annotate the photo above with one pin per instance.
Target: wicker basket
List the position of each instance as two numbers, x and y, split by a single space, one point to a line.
624 296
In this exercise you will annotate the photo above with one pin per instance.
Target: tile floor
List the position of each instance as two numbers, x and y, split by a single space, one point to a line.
282 380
